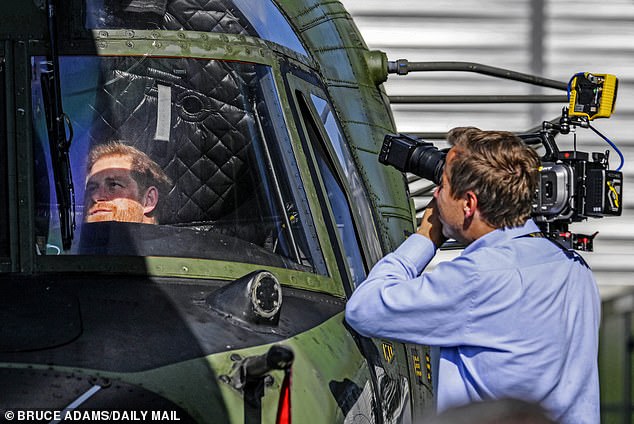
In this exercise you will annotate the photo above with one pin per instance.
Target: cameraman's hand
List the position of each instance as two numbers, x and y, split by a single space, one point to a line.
430 226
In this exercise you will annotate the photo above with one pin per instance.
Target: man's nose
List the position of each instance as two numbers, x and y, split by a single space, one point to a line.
436 193
99 193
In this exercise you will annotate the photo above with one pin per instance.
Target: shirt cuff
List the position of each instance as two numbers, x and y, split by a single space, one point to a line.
417 250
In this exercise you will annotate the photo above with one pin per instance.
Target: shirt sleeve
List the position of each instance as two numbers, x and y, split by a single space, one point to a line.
397 302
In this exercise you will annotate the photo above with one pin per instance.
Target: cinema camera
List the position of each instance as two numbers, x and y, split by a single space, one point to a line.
571 186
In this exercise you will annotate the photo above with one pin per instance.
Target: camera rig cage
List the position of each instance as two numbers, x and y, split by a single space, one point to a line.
572 185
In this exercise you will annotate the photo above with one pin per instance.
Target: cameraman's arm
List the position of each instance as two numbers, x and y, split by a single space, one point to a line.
399 301
376 298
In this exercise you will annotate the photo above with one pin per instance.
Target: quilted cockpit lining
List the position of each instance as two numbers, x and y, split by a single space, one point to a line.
209 155
192 15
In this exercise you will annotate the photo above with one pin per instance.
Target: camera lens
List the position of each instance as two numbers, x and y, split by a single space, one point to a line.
428 162
409 154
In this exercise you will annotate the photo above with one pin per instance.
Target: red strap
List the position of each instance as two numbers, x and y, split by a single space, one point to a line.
284 406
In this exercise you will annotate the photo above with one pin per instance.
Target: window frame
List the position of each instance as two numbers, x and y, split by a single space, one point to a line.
365 221
302 82
5 174
183 266
271 168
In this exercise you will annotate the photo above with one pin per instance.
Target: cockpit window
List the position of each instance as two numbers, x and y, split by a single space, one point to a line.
255 18
173 157
270 24
357 191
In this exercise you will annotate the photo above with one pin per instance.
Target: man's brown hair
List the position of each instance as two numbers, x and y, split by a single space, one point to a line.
499 168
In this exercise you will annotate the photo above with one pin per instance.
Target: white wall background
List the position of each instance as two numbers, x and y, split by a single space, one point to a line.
550 38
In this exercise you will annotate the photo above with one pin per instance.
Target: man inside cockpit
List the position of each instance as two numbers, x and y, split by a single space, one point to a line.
123 184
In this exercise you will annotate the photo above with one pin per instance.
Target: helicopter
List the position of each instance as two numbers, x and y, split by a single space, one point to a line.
223 302
265 119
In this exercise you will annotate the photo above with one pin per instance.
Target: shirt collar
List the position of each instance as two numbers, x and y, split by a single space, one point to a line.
501 235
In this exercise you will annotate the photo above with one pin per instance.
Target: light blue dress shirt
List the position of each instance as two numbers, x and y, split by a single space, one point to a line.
513 316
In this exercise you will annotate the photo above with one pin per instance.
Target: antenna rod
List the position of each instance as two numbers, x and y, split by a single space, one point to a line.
403 67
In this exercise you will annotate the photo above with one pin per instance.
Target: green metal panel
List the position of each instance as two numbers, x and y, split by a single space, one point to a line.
190 44
184 268
333 38
318 363
22 20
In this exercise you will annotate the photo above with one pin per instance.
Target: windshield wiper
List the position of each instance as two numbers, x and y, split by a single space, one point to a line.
56 123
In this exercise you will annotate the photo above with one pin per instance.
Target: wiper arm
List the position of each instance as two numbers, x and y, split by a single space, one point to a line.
59 143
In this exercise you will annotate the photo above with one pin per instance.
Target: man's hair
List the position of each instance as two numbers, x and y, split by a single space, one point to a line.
499 168
144 171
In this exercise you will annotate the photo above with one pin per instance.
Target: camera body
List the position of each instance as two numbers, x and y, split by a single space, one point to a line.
572 186
575 188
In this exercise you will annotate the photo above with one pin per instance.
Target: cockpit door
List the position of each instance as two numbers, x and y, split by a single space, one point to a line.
352 234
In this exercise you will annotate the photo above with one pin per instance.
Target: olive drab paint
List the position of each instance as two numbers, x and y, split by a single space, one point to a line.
266 122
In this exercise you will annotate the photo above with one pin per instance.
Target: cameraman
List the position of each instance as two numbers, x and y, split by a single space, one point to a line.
514 315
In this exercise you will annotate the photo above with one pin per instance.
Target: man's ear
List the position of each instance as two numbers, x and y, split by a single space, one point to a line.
470 204
150 200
